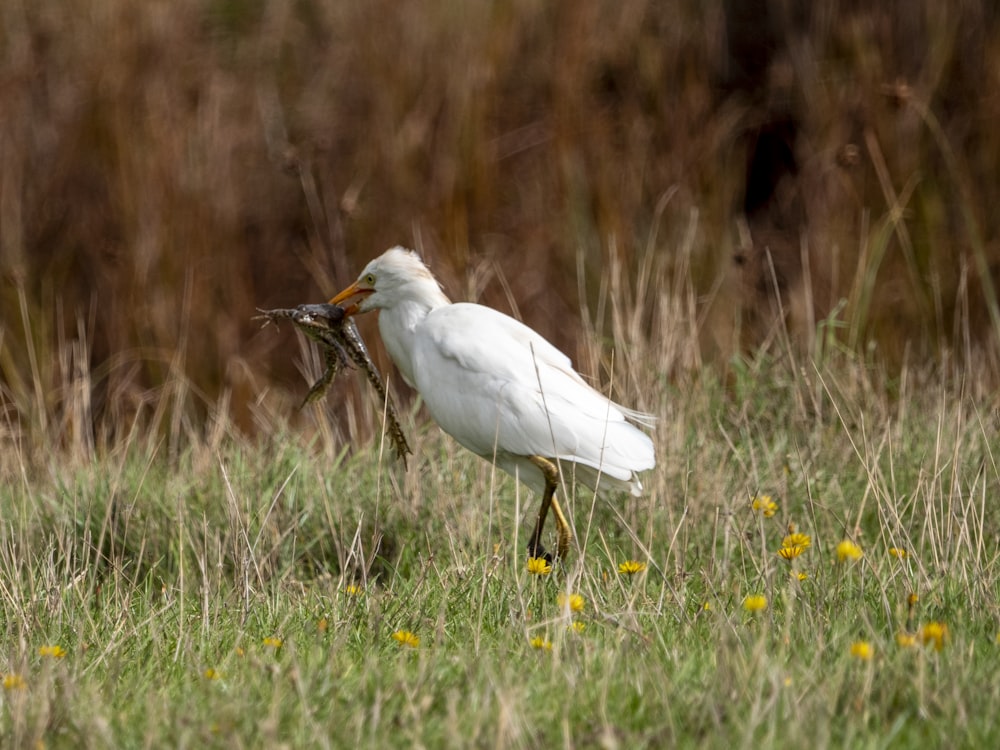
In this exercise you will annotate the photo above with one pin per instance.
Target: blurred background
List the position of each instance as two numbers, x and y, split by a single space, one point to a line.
168 166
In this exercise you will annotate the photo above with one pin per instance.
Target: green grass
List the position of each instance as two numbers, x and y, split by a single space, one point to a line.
173 166
150 570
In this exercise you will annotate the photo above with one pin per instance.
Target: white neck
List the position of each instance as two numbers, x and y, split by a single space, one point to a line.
397 325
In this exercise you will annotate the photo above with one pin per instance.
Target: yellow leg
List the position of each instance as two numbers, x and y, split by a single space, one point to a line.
564 535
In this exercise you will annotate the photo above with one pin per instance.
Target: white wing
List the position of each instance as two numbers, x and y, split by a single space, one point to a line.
498 387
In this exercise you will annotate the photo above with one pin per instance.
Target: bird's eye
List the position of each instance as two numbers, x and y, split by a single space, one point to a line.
369 279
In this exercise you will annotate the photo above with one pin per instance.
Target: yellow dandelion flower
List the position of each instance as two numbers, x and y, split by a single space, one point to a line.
707 606
352 589
631 567
911 600
56 652
539 566
13 681
575 602
764 505
790 553
797 540
755 603
935 633
801 575
212 674
906 640
273 642
862 650
540 643
848 550
898 552
406 638
577 627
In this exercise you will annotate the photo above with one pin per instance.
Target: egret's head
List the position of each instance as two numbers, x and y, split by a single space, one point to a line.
396 275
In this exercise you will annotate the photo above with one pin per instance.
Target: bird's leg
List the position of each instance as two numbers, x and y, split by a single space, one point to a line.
563 534
551 474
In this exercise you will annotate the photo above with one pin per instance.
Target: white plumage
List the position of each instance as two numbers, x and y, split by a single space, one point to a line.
499 388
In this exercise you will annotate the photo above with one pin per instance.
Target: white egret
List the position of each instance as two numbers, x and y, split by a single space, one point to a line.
500 389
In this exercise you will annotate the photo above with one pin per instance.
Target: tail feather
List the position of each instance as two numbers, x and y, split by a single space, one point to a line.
639 417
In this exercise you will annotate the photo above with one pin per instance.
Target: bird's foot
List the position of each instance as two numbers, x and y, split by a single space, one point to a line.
537 551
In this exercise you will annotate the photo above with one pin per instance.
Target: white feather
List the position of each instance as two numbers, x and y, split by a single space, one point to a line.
498 387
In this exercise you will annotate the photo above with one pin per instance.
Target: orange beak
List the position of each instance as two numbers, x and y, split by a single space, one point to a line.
350 298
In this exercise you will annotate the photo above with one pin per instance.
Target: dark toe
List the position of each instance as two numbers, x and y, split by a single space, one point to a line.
536 550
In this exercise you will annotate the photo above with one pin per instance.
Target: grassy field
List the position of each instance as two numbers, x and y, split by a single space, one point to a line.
252 594
188 561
